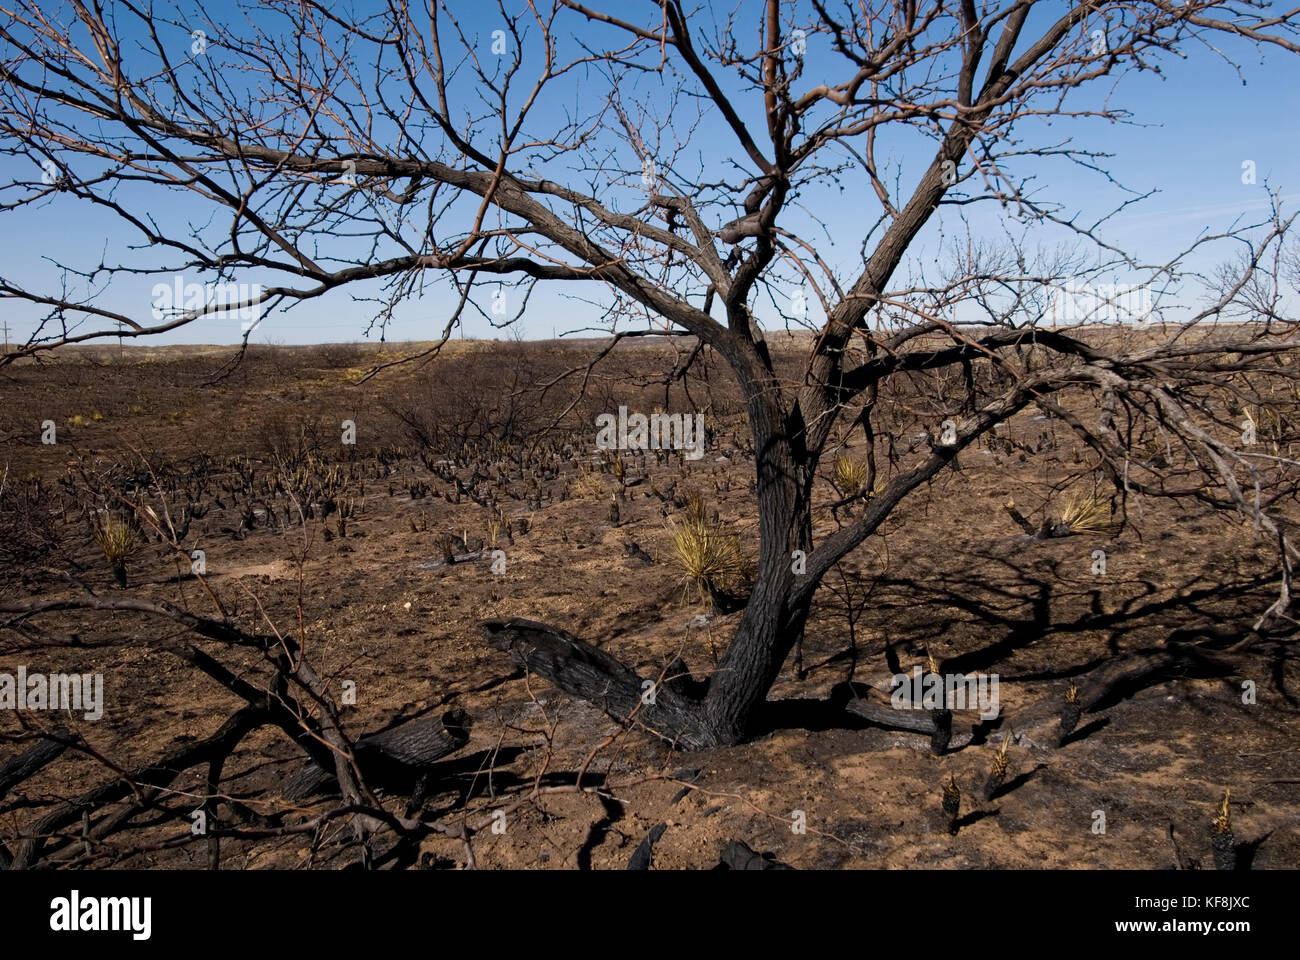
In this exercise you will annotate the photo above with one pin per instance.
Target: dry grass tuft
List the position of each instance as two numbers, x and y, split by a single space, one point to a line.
588 483
1086 514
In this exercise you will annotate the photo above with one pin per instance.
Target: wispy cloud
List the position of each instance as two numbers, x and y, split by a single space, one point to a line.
1216 215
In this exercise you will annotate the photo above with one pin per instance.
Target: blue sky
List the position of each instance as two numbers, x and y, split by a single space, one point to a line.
1199 123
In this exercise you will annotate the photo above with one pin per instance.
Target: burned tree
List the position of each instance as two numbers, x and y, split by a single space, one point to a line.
342 152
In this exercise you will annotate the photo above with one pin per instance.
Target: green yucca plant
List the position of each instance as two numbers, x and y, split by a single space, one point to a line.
119 542
850 475
707 556
1086 514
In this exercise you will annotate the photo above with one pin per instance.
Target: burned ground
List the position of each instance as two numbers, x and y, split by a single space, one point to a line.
469 454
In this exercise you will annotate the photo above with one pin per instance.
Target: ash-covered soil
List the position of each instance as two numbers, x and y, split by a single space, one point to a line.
380 612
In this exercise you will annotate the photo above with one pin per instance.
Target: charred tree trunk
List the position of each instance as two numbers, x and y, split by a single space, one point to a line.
721 711
397 759
767 633
670 708
30 761
771 625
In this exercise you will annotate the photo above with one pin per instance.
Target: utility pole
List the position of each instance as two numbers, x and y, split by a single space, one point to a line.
6 326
